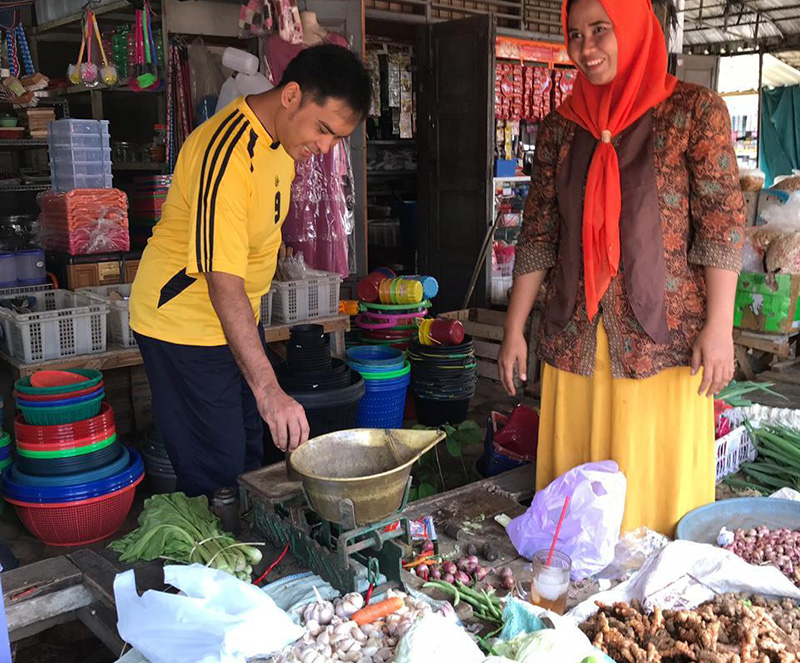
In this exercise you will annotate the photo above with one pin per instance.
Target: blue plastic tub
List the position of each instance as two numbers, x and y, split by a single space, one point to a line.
383 403
54 494
66 480
375 355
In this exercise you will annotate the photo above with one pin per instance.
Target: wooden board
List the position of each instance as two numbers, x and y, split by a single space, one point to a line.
114 357
271 483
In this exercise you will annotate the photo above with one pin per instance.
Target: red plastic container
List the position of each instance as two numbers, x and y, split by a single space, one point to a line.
447 332
77 523
367 288
58 397
63 444
102 424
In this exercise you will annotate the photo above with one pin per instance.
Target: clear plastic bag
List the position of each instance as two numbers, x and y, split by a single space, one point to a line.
592 525
206 73
320 217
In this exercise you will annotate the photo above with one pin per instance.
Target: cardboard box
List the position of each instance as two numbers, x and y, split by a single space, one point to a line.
768 303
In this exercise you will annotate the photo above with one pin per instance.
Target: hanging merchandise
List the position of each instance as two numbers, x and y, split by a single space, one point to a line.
207 80
145 77
119 50
19 59
179 101
290 28
255 18
87 72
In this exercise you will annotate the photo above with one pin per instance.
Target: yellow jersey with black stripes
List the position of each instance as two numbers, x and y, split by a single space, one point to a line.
223 213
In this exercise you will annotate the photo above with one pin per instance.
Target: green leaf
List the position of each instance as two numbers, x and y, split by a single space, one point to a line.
453 447
426 490
413 494
469 424
448 429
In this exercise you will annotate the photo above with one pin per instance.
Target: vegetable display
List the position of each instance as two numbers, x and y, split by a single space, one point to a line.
486 605
778 462
725 630
779 548
369 635
181 529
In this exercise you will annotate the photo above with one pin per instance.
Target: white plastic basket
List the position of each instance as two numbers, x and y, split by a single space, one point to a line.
65 324
314 297
119 316
266 309
734 449
13 293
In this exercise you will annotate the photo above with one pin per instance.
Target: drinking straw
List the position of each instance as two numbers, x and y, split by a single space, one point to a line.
558 530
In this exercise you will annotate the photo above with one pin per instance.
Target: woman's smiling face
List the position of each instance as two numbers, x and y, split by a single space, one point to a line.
591 42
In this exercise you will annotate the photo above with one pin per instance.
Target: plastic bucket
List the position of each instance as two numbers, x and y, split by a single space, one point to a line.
383 403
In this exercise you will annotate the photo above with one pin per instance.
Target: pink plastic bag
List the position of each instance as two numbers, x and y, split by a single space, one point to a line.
592 525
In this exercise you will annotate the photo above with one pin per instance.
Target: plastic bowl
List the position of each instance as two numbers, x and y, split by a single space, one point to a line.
53 451
66 414
92 379
45 379
63 402
56 397
48 467
102 424
110 469
80 522
5 440
74 492
375 355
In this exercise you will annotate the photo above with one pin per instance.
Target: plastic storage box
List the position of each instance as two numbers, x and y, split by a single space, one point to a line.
80 156
266 309
314 297
64 324
119 316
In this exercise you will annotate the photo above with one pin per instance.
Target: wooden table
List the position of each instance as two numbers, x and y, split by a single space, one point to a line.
774 349
119 357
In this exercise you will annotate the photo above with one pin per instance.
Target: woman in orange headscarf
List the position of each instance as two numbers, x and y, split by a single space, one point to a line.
634 222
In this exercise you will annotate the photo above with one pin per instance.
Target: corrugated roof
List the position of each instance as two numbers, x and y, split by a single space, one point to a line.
741 23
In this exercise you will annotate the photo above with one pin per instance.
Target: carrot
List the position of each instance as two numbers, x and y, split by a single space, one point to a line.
378 610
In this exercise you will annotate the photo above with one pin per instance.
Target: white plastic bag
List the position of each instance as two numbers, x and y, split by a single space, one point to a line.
434 639
217 619
592 524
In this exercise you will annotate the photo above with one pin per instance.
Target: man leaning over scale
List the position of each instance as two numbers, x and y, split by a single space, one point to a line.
196 297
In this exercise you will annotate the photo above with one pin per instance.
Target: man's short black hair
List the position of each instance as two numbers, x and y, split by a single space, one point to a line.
329 71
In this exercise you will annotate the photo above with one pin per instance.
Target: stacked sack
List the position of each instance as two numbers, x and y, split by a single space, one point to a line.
72 482
391 307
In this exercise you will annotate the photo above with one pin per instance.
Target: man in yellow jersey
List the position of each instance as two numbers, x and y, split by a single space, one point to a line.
196 297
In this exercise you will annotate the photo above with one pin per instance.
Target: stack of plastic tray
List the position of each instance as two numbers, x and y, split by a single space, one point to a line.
85 221
147 199
80 154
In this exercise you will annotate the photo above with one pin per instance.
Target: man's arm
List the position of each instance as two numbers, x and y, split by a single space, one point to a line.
285 416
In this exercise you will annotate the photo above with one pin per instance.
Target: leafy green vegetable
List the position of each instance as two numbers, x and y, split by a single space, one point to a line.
734 394
183 529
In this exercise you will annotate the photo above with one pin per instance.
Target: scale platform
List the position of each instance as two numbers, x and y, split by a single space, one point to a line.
346 556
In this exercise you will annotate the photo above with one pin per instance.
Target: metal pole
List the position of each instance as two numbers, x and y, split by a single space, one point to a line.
758 124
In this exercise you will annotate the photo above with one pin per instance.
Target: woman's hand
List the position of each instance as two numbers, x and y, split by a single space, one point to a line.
713 351
513 354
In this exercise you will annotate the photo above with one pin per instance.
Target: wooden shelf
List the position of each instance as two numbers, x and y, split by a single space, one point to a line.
23 144
25 187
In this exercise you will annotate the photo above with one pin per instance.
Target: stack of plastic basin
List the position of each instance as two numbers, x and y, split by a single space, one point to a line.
443 379
72 482
325 386
386 375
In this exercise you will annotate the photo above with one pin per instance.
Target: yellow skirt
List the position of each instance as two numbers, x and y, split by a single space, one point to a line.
659 431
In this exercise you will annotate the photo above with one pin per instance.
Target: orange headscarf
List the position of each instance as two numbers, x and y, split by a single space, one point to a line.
641 83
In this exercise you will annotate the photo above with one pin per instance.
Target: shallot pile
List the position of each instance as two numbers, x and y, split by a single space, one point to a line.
780 548
467 570
725 630
339 631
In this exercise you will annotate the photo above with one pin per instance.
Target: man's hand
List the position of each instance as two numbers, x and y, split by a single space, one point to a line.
285 417
713 351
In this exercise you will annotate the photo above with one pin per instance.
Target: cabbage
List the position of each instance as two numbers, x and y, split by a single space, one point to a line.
434 639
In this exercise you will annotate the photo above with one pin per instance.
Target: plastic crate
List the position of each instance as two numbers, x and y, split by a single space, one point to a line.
119 316
314 297
80 141
734 449
59 128
66 154
65 324
13 293
71 182
497 460
266 309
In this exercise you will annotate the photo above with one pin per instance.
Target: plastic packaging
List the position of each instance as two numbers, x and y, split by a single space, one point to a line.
206 74
753 253
320 216
592 525
85 221
751 179
215 619
783 254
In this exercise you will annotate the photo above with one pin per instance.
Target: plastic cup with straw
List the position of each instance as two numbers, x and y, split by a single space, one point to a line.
551 569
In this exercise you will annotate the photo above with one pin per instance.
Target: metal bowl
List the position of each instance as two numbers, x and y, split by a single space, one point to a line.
370 467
